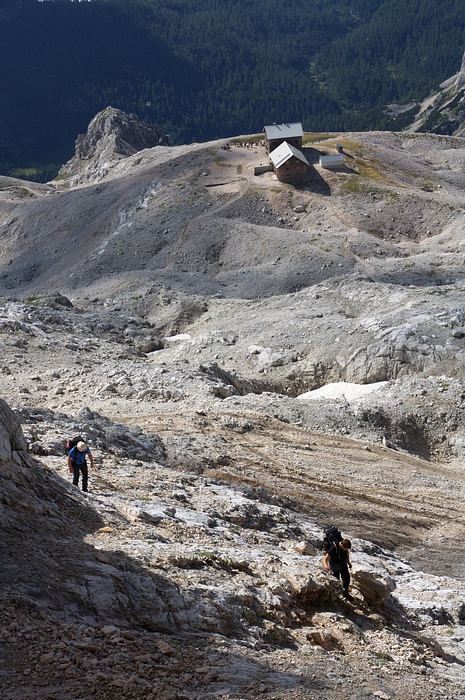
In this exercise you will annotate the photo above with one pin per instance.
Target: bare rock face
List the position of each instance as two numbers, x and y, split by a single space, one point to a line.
460 113
443 112
44 523
125 133
11 437
460 80
111 135
373 587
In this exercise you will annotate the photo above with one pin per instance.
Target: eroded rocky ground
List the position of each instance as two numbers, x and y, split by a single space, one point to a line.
211 341
163 582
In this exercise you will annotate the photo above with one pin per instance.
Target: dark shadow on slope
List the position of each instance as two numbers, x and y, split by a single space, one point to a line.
406 433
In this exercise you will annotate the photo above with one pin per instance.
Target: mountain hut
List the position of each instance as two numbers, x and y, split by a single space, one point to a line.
276 134
289 163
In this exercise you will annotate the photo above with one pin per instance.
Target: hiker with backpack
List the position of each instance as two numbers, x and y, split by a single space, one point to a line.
337 558
77 463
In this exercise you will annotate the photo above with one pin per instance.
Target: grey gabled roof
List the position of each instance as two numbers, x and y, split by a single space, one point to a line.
283 131
285 151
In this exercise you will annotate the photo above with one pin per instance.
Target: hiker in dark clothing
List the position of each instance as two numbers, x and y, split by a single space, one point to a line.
77 463
337 560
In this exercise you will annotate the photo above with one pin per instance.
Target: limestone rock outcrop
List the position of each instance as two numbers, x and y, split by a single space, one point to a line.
443 111
111 135
125 132
460 80
43 526
373 587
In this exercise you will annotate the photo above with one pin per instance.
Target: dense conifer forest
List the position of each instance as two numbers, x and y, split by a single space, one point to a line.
206 69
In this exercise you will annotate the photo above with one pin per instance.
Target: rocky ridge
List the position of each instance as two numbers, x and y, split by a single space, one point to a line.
112 135
442 112
460 80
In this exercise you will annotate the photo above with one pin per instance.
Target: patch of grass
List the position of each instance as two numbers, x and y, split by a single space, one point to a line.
233 565
248 139
353 185
195 196
354 148
427 186
382 655
372 170
363 160
379 659
24 192
315 137
210 556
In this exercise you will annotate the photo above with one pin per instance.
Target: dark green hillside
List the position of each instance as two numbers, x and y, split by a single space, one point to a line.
206 69
399 54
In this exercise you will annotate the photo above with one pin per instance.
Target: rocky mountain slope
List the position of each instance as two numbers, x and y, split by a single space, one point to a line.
443 111
249 361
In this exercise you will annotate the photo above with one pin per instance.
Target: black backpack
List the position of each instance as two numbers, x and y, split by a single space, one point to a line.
72 442
331 535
